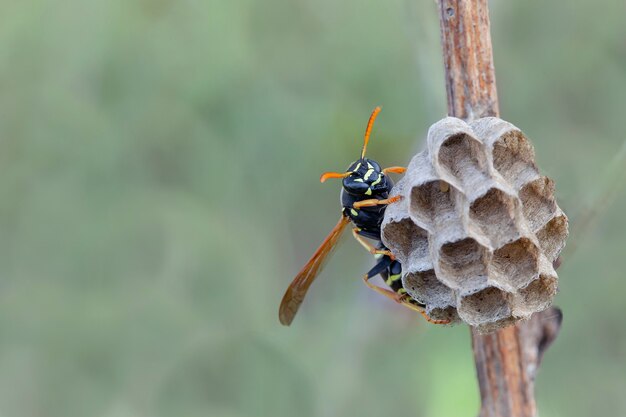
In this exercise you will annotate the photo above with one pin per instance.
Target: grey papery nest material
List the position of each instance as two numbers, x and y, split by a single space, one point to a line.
479 228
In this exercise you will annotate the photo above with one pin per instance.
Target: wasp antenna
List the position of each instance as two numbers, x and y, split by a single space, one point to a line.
327 175
368 130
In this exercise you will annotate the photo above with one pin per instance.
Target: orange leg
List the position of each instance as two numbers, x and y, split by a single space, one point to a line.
395 170
402 300
374 202
370 248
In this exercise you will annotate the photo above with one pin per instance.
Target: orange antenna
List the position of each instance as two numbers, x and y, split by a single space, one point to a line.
327 175
370 123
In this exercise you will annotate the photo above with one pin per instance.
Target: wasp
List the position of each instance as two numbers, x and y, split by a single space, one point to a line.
364 198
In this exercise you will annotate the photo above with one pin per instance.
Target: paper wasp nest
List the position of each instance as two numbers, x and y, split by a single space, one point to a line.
479 228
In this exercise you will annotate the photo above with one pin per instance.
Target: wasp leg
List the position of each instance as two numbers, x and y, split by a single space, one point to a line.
380 266
370 248
374 202
402 300
395 170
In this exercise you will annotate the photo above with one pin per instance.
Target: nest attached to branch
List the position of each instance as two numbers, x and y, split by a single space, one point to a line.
479 228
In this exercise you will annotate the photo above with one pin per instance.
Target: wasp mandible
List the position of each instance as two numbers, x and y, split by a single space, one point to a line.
364 197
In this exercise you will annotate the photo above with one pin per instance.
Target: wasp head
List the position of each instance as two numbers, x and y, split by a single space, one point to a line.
365 177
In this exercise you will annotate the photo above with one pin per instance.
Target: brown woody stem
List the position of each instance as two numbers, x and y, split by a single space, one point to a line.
506 360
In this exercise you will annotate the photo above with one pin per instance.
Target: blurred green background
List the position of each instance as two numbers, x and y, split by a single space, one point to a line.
159 169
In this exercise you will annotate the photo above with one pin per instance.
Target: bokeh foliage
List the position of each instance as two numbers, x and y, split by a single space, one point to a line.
159 164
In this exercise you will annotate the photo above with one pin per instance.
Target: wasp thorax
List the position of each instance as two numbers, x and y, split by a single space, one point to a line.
479 230
366 178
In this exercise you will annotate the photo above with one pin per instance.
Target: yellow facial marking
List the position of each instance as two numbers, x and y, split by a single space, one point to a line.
358 180
368 173
379 179
368 192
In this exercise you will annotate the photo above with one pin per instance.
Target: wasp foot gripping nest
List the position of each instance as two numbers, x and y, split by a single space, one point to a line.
478 228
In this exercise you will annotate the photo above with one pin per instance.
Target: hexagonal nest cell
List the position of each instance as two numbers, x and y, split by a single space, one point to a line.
478 228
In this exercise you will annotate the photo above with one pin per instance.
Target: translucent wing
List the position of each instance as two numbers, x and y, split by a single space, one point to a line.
297 289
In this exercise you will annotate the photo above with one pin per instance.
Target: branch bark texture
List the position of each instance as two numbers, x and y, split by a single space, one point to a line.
506 360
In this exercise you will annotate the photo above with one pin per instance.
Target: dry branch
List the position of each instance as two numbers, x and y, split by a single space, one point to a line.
506 360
